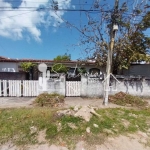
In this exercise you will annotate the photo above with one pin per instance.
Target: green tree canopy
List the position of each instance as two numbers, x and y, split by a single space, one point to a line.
26 66
61 58
134 47
58 67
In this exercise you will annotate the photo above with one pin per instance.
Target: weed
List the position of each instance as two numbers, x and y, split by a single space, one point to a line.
127 100
51 100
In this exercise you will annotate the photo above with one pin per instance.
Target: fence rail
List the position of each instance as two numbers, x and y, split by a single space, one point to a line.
18 88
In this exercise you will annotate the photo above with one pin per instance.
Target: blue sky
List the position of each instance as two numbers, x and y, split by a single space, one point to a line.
37 35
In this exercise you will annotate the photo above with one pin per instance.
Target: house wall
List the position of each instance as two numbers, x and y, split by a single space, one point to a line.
87 67
13 76
8 67
138 69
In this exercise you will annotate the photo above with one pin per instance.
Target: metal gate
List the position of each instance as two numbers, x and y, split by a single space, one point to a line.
73 88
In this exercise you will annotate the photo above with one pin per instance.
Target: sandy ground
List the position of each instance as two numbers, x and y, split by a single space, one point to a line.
15 102
131 142
10 102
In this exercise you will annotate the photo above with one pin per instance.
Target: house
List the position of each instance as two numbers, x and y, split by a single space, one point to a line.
11 68
8 65
138 69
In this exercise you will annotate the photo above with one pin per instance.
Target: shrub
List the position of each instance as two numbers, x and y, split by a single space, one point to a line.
51 100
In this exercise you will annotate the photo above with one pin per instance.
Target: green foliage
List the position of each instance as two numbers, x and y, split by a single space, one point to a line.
67 130
51 131
71 119
82 70
135 46
132 49
58 66
145 23
26 66
51 100
61 58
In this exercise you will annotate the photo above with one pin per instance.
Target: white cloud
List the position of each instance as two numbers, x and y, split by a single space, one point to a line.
13 24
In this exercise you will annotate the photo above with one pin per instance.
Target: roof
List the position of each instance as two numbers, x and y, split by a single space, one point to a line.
140 63
5 59
1 57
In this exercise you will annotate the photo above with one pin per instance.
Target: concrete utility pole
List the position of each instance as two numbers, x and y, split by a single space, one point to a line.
114 28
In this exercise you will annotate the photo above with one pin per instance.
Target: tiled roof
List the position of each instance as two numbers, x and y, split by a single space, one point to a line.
4 59
1 57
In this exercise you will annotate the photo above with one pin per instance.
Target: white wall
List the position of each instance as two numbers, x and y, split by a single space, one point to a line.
8 67
94 87
53 86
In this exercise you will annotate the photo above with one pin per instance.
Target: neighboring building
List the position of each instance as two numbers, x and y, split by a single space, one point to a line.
13 65
138 69
8 65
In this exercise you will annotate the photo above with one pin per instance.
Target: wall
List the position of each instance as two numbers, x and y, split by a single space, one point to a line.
91 87
94 87
54 86
8 67
133 87
13 76
138 69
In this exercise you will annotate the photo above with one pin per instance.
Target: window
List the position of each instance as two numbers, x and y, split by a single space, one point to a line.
94 71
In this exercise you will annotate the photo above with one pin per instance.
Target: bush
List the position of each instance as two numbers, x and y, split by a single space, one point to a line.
51 100
124 99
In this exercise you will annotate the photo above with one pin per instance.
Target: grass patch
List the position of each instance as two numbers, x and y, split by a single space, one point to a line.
124 99
16 125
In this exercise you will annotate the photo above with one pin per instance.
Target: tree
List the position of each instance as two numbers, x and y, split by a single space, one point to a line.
62 58
131 43
58 67
133 47
82 70
26 66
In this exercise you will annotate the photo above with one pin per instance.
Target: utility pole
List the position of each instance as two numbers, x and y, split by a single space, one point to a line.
114 28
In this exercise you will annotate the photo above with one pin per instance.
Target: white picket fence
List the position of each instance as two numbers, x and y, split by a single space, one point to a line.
73 88
18 88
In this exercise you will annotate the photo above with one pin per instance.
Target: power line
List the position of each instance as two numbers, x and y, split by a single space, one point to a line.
16 15
42 9
84 3
71 10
